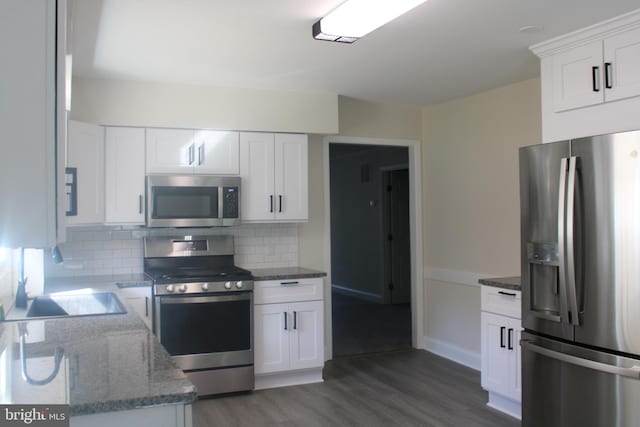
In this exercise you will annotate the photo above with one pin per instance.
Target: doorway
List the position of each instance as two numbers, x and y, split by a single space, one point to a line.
370 248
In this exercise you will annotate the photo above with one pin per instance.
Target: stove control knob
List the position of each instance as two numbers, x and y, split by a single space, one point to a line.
227 285
239 285
205 286
170 288
183 288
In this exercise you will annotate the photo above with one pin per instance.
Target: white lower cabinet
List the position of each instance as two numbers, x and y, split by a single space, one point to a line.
501 355
139 298
172 415
289 335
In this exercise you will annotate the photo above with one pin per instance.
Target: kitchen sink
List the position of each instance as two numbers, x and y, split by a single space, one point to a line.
70 305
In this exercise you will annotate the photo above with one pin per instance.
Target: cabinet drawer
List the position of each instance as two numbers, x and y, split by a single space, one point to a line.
501 301
287 290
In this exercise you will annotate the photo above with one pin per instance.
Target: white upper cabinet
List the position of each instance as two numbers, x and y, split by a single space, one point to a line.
590 80
170 151
577 77
274 171
124 175
189 151
29 120
291 177
217 152
622 65
85 153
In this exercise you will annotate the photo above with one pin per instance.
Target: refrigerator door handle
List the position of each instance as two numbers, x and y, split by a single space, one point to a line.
562 220
572 300
632 372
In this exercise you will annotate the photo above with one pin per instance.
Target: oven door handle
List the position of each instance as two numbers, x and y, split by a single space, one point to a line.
238 296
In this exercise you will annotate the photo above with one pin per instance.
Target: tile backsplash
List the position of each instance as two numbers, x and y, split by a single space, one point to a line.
101 250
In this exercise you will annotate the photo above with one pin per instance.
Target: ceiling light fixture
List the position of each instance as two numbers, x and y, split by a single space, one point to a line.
355 18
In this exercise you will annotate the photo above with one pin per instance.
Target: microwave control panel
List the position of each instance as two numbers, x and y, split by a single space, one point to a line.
230 202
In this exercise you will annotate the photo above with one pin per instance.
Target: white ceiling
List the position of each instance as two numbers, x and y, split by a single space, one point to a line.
442 49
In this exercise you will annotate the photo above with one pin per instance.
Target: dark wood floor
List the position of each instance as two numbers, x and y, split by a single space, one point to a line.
401 388
361 326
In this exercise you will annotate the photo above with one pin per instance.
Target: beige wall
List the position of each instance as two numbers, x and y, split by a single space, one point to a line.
311 234
471 200
370 119
118 102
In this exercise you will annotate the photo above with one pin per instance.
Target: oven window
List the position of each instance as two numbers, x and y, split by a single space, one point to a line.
211 327
184 202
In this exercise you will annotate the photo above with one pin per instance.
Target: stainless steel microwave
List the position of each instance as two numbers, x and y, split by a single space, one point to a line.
192 200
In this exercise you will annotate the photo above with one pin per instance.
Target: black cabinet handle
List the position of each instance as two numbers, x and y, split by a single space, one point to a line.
295 320
510 339
289 283
607 75
280 203
146 306
509 294
140 203
285 321
271 203
595 79
502 329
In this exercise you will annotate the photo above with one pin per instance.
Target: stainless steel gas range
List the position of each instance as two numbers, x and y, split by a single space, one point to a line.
203 310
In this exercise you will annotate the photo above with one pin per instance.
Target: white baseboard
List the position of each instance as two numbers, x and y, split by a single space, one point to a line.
506 405
452 352
284 379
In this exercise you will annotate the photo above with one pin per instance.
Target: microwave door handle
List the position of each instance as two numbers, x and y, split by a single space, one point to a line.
220 202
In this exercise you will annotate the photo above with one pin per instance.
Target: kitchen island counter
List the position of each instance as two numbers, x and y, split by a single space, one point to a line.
98 364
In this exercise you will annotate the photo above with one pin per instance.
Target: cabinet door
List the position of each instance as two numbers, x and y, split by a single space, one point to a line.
577 77
291 177
514 390
271 340
622 51
170 151
217 152
307 334
256 170
495 355
27 120
139 298
85 152
124 175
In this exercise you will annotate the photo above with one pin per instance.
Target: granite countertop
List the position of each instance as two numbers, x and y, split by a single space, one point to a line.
512 283
107 363
285 273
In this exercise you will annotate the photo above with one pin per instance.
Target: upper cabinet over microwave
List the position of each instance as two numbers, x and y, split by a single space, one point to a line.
188 151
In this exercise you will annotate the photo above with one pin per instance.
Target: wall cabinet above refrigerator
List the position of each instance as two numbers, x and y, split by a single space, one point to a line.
590 80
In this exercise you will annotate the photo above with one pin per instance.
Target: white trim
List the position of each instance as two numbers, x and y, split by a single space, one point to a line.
587 35
415 219
369 296
505 405
470 359
288 378
467 278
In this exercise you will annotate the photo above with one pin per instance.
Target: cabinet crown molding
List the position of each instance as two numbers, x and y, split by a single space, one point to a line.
588 34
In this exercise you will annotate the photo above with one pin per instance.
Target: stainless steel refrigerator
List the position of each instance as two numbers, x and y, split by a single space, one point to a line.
580 249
